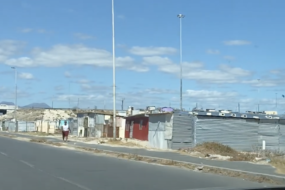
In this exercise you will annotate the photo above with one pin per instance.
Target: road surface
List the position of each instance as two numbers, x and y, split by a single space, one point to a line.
31 166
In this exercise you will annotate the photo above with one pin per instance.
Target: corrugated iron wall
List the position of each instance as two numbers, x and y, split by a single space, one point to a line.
183 130
268 130
240 134
22 126
160 131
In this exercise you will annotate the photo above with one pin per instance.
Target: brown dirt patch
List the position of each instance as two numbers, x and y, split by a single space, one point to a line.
279 163
121 143
208 148
44 141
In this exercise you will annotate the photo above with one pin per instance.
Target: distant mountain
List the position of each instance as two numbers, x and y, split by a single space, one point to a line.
37 105
7 103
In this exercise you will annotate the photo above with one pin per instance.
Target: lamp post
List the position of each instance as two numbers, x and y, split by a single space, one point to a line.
123 104
15 106
180 16
114 72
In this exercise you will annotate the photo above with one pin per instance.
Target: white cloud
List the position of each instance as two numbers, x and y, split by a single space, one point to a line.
212 97
83 36
197 71
61 55
26 76
266 82
21 62
83 81
236 42
27 30
151 51
213 51
9 48
67 74
229 58
42 31
59 87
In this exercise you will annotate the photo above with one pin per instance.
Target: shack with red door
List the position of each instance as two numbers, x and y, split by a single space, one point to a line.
137 127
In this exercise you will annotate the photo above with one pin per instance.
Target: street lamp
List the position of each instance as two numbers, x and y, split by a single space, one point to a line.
180 16
15 106
114 72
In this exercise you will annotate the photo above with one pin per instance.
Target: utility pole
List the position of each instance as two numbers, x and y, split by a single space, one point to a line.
15 106
69 95
276 100
258 96
180 16
123 103
78 104
114 72
238 107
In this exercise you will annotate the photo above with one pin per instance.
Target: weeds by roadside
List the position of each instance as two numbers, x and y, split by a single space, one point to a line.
214 149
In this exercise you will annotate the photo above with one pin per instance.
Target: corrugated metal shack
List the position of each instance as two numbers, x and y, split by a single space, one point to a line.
23 126
99 125
96 125
171 130
137 127
86 124
241 131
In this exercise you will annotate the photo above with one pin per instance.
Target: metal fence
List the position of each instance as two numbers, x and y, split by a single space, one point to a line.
244 132
23 126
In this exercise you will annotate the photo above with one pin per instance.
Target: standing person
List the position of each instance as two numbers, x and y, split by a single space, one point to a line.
65 131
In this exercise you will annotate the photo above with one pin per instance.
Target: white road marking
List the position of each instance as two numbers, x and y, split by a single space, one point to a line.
76 184
3 153
27 163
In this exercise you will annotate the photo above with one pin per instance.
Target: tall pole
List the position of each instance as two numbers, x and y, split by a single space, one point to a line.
180 16
69 95
258 96
276 100
123 103
238 107
114 72
15 106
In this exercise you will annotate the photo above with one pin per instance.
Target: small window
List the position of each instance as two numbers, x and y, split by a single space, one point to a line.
141 124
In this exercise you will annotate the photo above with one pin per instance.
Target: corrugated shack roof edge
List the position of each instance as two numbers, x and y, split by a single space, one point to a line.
149 114
236 115
134 116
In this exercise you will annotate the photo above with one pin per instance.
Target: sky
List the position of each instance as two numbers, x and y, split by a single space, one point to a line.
232 53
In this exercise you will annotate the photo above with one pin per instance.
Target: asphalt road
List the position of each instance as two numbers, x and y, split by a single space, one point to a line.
31 166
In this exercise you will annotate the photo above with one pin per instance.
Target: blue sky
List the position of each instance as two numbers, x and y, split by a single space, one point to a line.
63 51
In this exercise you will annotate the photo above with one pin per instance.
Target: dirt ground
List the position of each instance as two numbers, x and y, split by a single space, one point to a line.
217 151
